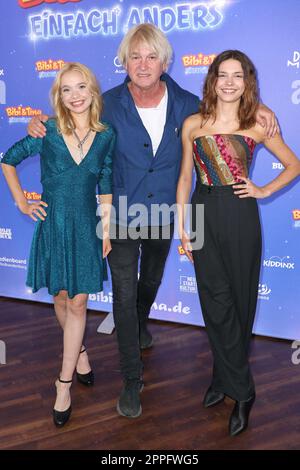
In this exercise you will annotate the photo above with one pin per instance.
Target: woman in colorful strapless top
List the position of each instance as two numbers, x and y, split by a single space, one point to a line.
219 142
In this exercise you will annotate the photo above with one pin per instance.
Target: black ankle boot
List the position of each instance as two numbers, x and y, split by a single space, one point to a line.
85 379
240 415
212 397
61 417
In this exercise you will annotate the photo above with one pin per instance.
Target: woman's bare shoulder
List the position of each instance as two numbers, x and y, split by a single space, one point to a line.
193 123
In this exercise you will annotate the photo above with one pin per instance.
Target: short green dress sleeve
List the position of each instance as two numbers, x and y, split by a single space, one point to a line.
27 147
66 253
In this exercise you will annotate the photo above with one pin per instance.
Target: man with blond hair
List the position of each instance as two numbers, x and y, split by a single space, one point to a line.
147 111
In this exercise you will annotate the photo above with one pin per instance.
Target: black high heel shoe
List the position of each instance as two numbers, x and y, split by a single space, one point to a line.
240 416
212 397
61 417
85 379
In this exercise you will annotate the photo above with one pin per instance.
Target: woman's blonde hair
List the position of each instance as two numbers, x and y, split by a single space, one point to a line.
65 122
149 34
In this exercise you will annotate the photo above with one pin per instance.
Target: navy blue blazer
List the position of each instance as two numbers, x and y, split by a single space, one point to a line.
145 179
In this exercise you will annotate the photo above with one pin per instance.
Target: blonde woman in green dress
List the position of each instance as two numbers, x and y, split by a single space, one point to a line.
66 255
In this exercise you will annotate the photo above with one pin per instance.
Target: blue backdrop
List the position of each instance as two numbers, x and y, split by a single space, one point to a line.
37 36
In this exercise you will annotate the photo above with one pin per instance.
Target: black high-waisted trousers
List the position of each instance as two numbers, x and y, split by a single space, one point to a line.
227 272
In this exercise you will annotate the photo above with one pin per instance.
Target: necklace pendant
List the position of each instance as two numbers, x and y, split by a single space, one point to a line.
81 142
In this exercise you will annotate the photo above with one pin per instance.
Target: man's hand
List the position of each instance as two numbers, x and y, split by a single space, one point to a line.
36 128
267 119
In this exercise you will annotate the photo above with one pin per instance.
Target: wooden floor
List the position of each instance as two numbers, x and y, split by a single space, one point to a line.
177 373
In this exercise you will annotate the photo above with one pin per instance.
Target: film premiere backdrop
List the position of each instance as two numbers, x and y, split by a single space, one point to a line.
37 36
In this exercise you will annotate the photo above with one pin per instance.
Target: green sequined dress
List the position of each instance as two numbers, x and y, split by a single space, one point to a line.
66 252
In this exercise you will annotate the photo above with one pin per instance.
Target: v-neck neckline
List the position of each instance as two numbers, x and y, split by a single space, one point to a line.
87 153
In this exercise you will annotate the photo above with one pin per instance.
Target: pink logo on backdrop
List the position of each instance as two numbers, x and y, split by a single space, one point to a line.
34 3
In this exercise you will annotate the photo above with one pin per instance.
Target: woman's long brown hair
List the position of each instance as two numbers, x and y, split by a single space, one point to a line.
250 98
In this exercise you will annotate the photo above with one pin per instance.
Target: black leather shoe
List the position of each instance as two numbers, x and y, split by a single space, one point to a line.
240 415
146 338
87 379
61 417
212 397
129 403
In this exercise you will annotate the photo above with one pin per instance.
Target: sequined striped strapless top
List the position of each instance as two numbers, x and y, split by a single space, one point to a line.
220 159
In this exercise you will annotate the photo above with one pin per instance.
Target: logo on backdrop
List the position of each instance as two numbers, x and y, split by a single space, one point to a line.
263 291
119 68
2 88
296 60
48 68
101 297
34 3
188 284
277 166
162 307
32 196
21 113
111 21
182 258
197 63
177 308
6 233
13 263
296 217
279 263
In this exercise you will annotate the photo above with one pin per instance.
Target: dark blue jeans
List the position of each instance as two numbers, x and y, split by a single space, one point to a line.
133 297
